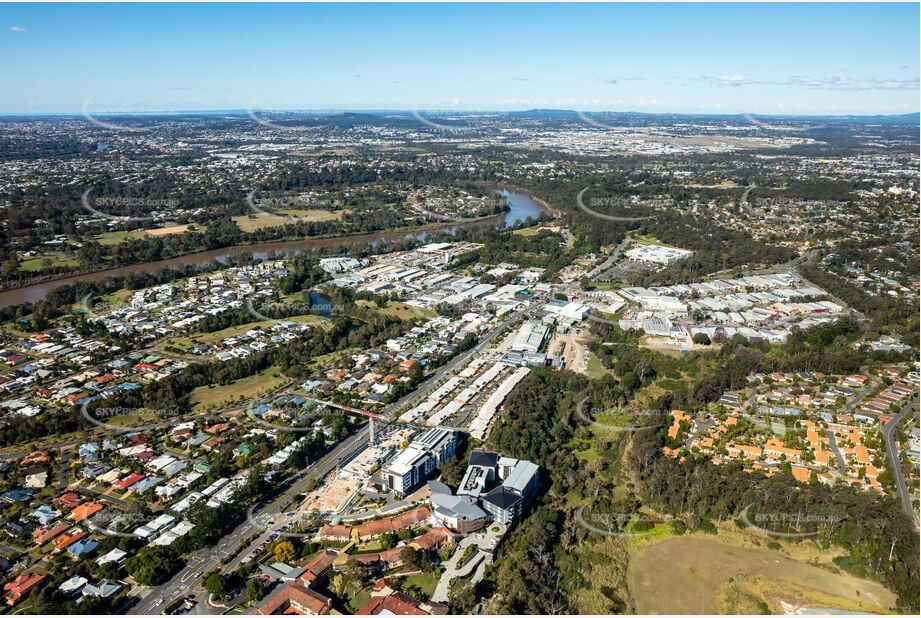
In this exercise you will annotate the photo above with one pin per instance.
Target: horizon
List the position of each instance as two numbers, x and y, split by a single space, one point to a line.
409 111
704 59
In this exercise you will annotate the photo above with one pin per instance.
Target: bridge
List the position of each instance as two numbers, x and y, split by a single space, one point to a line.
373 416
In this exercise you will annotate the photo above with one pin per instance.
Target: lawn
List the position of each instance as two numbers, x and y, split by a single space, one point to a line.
222 395
424 581
355 603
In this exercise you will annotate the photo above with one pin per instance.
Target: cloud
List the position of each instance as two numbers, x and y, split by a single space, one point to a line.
733 81
519 79
615 80
837 82
17 29
819 82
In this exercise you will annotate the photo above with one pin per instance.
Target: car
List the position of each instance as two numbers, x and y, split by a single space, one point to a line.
199 573
158 602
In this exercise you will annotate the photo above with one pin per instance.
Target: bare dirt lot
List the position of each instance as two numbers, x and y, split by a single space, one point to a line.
572 349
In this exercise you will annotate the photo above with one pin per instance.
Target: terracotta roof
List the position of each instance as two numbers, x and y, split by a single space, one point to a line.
411 518
17 588
69 499
87 509
800 473
44 534
297 599
378 527
337 531
68 539
396 603
433 538
317 566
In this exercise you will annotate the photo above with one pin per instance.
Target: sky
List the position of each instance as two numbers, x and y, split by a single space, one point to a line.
655 58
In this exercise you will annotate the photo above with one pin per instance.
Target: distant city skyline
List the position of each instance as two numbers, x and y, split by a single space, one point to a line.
777 59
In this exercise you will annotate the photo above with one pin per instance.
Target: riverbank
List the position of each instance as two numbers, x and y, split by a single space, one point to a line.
521 206
37 290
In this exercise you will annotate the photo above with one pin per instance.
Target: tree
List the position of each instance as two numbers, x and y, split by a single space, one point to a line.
388 540
284 551
701 339
152 564
255 590
416 559
351 579
216 584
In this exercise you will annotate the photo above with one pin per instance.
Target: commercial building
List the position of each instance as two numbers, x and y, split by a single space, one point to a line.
657 254
479 498
506 502
422 457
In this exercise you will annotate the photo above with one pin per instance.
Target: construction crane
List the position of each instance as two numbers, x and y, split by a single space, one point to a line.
373 416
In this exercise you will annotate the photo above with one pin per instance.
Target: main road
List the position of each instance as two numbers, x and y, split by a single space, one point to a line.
892 449
185 582
207 559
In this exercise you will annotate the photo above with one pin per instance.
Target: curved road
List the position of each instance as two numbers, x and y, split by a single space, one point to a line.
892 449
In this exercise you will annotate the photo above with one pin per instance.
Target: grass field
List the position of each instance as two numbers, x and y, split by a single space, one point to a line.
400 310
258 221
223 395
527 231
594 369
697 575
113 238
333 359
56 258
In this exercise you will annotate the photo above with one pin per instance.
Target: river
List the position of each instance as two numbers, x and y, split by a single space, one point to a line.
520 208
